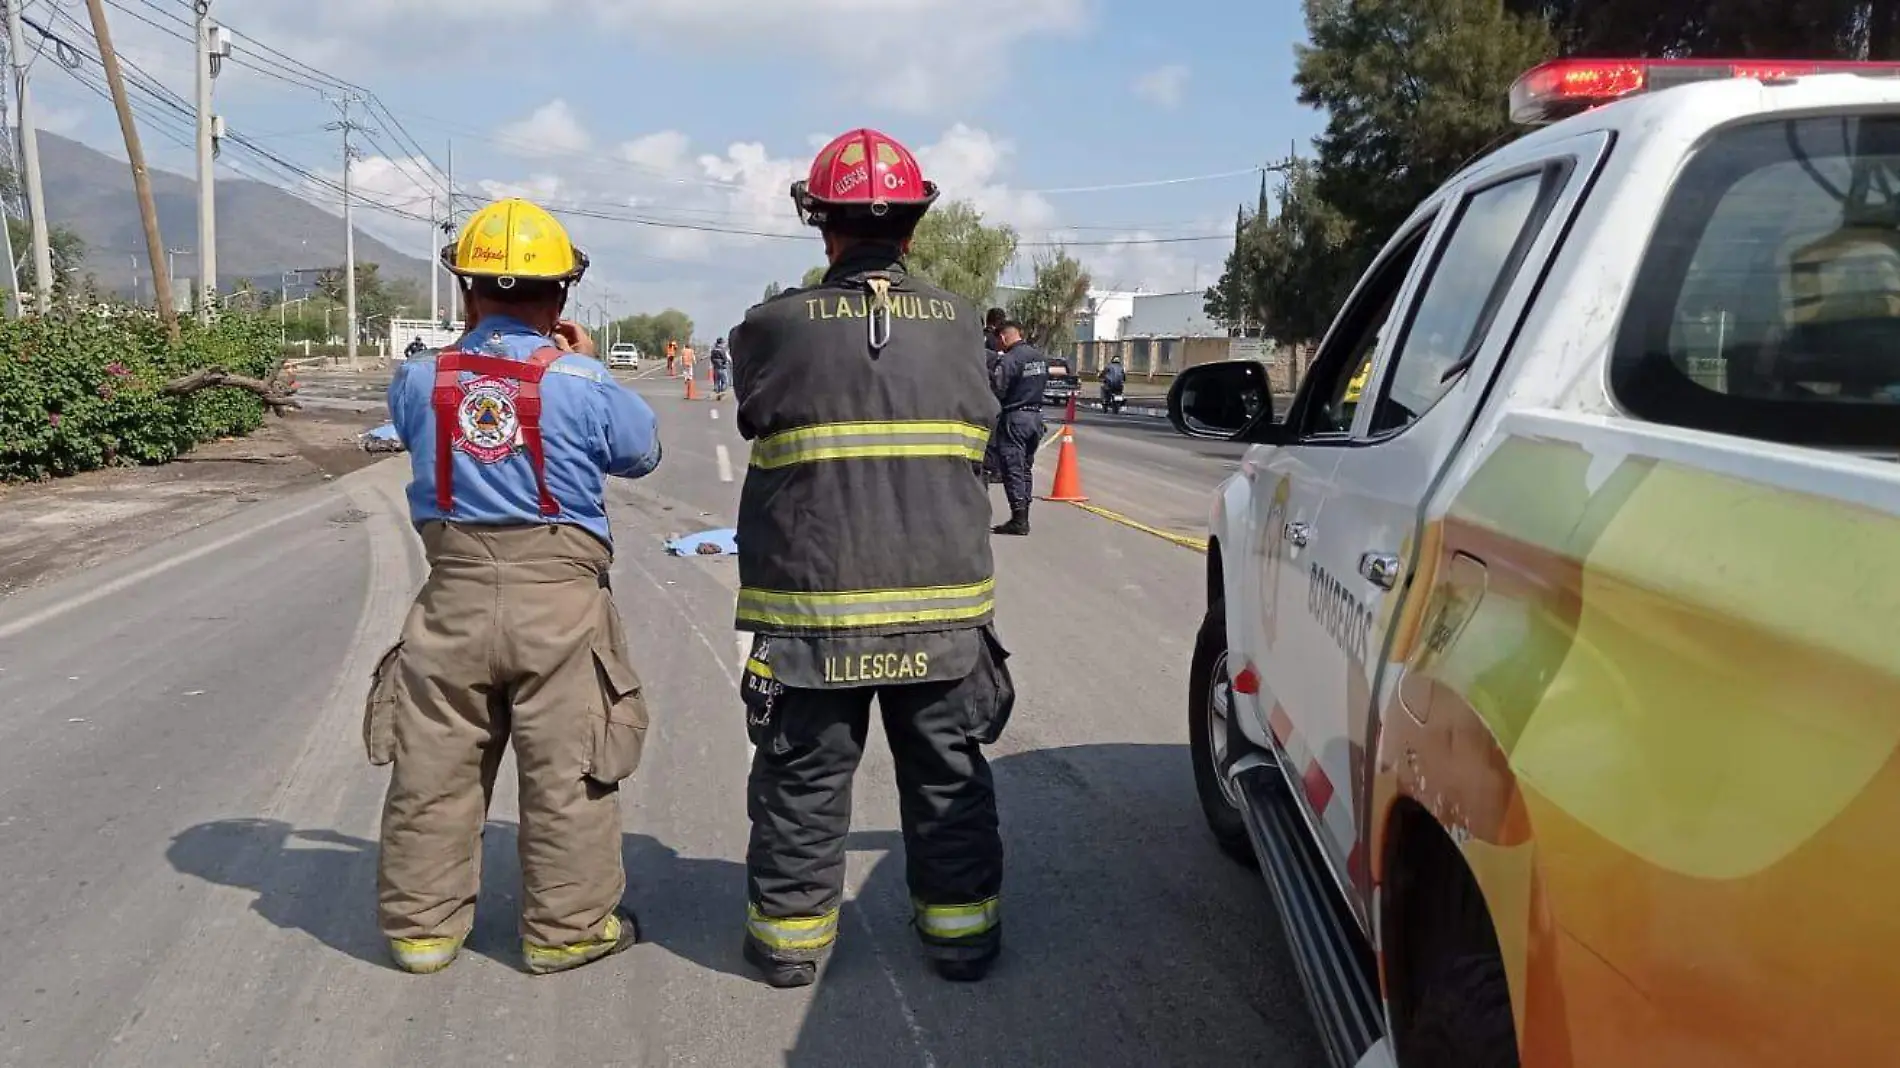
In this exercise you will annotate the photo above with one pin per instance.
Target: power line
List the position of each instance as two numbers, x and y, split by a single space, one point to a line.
1150 184
177 115
317 81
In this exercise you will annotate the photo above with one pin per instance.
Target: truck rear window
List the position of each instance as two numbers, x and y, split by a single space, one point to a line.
1768 303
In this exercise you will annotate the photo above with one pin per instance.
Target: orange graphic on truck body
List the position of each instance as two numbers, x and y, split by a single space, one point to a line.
1659 712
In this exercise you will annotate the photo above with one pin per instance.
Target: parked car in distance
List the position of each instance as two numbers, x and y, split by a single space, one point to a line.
624 355
1063 383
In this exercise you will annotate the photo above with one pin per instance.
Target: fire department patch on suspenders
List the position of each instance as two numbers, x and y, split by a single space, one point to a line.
489 416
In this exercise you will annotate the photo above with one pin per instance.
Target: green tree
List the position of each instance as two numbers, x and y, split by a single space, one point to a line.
651 332
1413 90
68 254
772 289
955 250
952 248
1289 272
1057 295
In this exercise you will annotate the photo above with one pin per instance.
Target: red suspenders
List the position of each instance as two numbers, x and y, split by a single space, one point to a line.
487 416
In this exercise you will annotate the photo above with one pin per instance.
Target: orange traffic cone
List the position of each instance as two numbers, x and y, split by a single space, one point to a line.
1068 486
692 388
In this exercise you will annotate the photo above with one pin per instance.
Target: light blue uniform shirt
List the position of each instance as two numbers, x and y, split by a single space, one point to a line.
591 427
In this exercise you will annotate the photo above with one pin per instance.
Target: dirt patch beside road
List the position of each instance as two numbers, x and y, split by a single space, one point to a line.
52 529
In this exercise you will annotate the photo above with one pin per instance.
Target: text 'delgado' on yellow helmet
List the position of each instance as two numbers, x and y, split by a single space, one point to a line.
513 240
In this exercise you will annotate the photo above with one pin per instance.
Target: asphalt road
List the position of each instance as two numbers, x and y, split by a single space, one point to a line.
189 825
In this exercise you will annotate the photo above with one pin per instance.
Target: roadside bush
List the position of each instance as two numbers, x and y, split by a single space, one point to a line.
81 392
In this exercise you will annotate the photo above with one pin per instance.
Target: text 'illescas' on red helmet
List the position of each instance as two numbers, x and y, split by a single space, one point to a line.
863 174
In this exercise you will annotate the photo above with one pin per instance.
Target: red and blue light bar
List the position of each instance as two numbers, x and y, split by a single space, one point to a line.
1564 87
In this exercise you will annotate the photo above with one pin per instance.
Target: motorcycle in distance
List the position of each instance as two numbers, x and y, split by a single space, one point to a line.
1113 400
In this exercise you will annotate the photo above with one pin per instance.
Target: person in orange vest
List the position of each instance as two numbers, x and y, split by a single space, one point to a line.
672 356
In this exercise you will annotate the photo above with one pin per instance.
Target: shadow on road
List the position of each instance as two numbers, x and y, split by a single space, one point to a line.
1129 939
324 884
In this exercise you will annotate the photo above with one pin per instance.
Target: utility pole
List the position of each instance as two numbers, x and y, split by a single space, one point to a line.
171 265
213 45
449 225
141 181
435 270
14 307
30 157
346 126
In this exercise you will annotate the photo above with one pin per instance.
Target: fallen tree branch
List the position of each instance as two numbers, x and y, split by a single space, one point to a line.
276 394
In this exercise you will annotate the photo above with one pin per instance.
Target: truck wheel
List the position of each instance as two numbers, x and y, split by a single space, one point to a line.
1211 735
1463 1018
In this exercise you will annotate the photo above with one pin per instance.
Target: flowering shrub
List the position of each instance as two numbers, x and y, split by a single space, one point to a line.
80 392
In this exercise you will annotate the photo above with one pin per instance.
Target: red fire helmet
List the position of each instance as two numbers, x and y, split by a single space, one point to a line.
863 173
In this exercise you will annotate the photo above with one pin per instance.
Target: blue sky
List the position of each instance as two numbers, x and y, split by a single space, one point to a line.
700 112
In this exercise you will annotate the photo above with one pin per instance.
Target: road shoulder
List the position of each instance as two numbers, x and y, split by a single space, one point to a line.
50 530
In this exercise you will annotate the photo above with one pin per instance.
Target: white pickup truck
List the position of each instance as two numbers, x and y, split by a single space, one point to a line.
1552 675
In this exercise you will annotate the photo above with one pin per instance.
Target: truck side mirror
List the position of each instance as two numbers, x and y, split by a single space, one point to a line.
1227 401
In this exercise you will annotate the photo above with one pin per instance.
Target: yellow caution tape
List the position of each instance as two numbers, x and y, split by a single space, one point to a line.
1199 545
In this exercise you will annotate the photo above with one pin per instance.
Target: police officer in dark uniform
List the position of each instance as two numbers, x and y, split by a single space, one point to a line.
1020 378
865 572
993 321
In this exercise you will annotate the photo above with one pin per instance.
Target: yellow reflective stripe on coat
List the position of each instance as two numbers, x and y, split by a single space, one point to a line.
794 932
870 441
868 608
959 921
758 667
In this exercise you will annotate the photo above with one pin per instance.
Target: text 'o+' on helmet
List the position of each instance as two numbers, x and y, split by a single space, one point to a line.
863 174
514 240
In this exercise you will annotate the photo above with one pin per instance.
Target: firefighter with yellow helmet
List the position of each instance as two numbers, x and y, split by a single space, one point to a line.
514 639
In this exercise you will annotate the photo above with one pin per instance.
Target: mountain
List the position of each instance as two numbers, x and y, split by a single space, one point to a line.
262 230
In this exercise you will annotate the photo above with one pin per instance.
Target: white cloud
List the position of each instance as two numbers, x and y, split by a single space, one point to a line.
931 53
664 151
966 164
1165 86
553 128
1136 260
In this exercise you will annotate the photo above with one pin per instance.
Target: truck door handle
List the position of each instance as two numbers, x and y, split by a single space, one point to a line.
1299 534
1380 569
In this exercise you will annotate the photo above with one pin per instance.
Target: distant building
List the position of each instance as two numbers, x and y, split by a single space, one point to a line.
1112 315
1102 318
1181 314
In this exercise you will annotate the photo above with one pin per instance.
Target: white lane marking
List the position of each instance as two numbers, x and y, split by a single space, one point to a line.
745 653
715 415
24 623
725 463
917 1036
1050 440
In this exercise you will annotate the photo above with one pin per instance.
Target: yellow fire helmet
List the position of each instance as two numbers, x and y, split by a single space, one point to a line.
514 239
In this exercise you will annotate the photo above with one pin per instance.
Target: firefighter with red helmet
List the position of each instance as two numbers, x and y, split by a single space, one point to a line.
865 574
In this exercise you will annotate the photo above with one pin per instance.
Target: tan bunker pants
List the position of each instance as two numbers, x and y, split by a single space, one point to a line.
514 638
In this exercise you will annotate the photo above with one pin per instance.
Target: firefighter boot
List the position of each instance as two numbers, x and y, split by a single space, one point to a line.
969 969
622 933
1018 523
782 974
424 956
